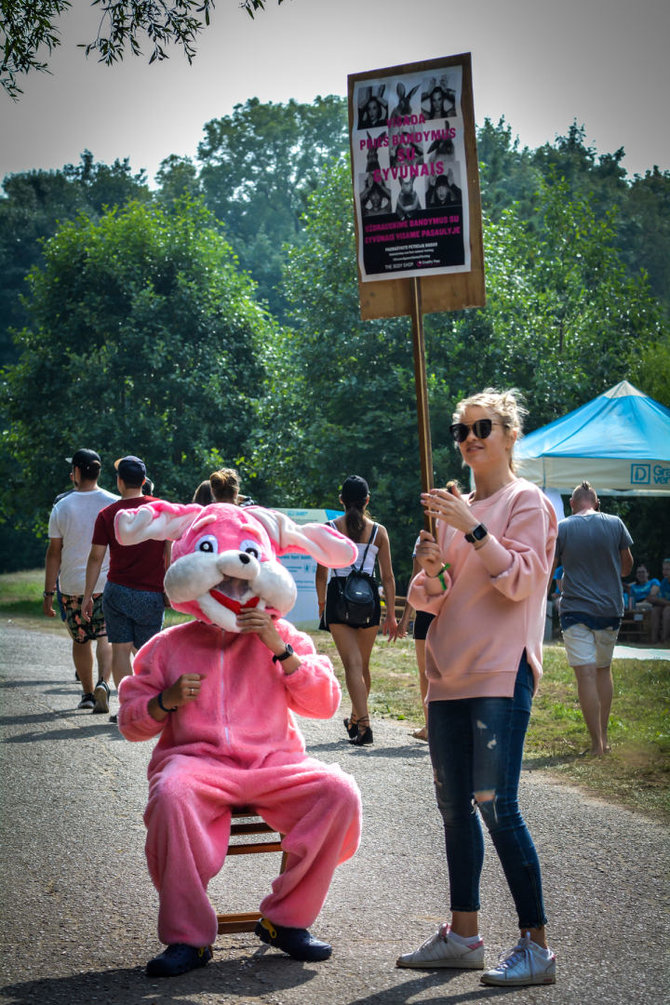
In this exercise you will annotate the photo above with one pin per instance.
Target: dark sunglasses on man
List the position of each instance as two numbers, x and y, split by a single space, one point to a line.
481 429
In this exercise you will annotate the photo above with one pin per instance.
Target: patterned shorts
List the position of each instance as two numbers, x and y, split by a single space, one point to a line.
80 630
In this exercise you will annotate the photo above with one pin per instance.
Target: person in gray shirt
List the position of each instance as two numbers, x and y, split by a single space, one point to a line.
594 550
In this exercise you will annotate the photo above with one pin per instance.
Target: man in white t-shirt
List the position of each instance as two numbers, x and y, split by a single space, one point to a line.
70 531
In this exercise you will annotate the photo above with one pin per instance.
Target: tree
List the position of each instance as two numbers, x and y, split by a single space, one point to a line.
339 391
35 203
177 177
25 29
259 166
507 172
644 230
143 339
29 27
563 322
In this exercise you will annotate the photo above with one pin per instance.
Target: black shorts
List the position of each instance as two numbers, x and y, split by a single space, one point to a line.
329 617
422 620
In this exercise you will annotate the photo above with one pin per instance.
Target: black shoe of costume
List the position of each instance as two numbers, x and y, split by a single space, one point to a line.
362 739
351 728
178 959
297 942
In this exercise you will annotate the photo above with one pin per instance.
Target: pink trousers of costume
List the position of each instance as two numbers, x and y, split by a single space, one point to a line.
316 806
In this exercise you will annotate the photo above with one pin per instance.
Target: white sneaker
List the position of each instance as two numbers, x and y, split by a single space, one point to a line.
442 951
527 963
101 696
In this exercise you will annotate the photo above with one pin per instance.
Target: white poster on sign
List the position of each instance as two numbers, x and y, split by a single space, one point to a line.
305 612
409 170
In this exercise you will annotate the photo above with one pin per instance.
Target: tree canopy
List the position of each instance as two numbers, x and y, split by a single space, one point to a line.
258 168
563 321
144 339
35 204
143 326
29 31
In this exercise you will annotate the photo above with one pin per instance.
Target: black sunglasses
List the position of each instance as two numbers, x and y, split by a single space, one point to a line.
481 428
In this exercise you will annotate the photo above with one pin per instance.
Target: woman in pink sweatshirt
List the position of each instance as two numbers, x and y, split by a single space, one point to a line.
485 578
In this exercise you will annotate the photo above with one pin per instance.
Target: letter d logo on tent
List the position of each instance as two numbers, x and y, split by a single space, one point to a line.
640 474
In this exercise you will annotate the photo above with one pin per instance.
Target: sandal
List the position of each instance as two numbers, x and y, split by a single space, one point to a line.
351 727
363 735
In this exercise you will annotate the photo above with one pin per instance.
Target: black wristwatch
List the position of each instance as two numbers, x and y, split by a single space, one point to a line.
478 533
285 655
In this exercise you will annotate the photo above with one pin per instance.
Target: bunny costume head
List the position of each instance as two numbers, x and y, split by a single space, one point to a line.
225 557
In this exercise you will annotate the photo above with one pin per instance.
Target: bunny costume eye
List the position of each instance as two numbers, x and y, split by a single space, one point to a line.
251 548
208 544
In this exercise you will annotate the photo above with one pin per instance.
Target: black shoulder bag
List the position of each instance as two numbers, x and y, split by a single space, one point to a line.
357 596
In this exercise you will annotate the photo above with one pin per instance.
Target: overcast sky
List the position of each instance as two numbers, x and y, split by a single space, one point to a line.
540 63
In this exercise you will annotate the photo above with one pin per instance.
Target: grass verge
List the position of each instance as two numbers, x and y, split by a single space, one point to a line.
636 774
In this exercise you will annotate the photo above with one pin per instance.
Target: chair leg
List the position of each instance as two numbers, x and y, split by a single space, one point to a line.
229 924
245 921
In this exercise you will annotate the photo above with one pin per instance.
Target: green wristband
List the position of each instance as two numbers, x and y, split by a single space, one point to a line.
441 573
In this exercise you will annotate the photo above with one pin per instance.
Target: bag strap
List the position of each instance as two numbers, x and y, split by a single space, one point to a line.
373 534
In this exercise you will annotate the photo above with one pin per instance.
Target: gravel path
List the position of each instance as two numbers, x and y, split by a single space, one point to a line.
79 911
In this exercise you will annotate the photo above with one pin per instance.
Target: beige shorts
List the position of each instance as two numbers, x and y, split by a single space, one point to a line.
588 646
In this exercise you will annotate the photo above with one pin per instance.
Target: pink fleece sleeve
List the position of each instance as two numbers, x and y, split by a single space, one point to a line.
419 597
526 547
137 690
313 690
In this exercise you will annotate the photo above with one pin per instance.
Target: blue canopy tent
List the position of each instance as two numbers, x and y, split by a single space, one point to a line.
620 442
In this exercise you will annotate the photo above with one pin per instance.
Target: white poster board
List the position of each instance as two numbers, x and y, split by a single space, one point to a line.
408 131
305 612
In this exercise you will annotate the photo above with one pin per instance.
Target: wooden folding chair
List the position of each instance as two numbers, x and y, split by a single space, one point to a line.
247 824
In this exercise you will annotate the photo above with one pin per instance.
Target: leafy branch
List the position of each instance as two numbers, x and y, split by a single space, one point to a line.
162 21
28 26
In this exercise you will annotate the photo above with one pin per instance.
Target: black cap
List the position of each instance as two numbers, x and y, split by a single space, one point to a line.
355 489
131 469
84 458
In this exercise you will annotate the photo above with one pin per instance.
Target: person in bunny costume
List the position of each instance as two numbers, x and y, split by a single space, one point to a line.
220 692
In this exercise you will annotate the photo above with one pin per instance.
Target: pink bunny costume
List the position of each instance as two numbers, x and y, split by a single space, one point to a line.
238 742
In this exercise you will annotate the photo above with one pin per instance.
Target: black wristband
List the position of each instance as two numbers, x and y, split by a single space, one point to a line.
160 702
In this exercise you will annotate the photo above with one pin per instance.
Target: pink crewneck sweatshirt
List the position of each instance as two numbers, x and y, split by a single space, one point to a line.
483 623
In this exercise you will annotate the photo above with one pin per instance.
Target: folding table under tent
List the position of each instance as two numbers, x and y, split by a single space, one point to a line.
619 441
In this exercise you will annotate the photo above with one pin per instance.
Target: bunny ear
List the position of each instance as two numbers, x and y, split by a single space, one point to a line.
323 543
159 521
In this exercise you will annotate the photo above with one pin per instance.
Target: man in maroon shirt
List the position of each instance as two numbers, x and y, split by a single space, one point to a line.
132 600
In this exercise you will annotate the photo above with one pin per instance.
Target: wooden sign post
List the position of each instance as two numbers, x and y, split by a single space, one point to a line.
417 206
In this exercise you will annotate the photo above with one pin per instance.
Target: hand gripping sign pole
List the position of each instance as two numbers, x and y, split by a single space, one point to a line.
416 198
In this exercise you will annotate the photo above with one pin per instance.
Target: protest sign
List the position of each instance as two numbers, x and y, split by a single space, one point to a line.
416 186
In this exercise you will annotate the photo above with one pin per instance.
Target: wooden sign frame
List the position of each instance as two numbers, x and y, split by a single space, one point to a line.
450 291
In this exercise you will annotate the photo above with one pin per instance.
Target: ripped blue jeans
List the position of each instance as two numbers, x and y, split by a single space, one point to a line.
476 746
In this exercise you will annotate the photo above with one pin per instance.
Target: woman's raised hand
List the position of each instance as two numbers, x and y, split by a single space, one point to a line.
449 506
